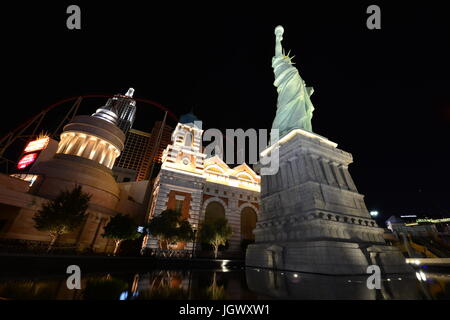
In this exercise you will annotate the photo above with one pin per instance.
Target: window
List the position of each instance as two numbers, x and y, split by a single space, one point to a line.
188 139
126 179
178 205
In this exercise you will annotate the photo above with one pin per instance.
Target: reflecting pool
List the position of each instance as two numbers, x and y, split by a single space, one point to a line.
225 284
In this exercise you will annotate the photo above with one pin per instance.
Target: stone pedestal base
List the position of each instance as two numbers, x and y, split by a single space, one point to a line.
312 218
326 257
272 284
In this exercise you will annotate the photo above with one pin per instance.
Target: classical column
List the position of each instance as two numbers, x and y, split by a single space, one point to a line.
88 149
115 154
329 175
108 155
63 143
305 172
294 172
348 178
320 177
284 175
83 146
337 174
101 152
71 144
94 149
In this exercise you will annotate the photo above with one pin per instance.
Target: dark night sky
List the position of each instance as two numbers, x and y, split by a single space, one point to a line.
382 95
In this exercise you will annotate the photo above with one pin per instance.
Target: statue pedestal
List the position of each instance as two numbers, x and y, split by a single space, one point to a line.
313 219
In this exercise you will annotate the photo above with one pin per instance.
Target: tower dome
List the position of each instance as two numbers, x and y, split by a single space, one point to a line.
86 153
190 119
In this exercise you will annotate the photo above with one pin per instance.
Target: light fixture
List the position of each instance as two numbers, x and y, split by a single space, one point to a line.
374 213
27 160
37 145
423 276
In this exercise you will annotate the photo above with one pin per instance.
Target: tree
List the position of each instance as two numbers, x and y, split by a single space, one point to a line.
120 228
104 288
62 215
170 227
216 233
214 291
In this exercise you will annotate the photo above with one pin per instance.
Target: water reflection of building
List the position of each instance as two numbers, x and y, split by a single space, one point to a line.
204 189
292 285
163 284
250 284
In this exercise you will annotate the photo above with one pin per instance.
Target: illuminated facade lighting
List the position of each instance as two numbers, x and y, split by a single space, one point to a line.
26 160
433 220
37 145
198 187
31 178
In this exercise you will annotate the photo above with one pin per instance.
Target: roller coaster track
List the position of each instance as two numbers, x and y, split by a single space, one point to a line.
28 128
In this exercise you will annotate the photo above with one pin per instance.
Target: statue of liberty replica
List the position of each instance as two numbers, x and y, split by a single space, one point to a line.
294 106
312 217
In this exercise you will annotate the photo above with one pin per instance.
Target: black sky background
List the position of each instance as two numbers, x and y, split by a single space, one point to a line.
382 95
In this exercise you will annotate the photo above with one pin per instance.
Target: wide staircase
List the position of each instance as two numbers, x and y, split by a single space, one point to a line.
430 246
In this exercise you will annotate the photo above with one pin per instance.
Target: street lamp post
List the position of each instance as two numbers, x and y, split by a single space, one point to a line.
374 213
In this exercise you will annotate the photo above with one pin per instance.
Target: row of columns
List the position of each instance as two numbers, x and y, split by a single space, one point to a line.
89 147
302 168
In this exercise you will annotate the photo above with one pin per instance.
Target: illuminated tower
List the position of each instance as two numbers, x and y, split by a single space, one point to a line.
179 185
87 150
155 148
124 107
86 153
138 151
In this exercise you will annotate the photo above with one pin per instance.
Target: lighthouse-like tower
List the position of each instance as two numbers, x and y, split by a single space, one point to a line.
87 150
86 153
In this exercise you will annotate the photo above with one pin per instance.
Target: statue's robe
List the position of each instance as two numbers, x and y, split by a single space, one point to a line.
294 107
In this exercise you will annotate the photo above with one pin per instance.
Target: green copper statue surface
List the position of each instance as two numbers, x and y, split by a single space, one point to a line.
294 106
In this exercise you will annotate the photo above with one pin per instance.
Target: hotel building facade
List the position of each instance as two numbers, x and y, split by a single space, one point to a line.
204 189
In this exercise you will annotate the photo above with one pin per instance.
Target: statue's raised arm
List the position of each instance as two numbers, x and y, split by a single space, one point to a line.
278 38
294 107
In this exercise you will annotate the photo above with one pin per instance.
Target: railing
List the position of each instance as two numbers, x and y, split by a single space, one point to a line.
175 254
36 247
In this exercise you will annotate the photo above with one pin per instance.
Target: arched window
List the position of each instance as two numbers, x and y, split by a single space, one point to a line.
214 210
248 223
188 139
